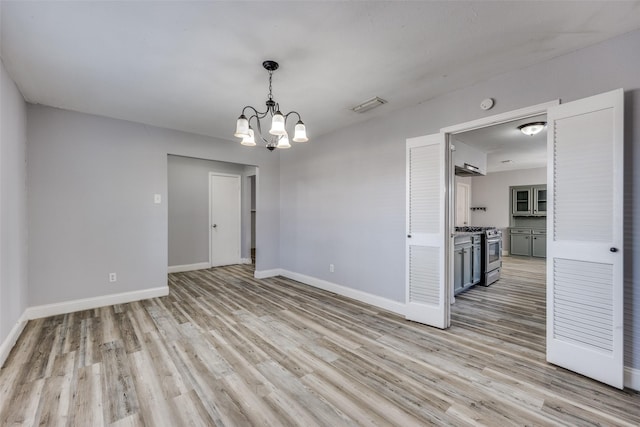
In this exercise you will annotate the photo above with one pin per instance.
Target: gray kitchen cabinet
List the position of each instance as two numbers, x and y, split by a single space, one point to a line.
462 268
539 244
528 242
476 259
521 201
539 200
458 260
529 200
467 257
466 267
520 242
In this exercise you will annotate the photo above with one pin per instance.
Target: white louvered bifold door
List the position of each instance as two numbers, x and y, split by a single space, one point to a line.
585 237
426 213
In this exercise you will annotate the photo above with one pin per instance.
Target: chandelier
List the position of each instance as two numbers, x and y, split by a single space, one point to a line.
249 128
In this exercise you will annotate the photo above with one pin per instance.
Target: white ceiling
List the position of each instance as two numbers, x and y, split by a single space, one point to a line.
505 142
193 65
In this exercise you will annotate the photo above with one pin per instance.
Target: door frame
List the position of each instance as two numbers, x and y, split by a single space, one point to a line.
211 175
449 131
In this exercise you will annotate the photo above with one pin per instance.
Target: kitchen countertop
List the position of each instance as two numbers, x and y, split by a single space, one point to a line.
466 233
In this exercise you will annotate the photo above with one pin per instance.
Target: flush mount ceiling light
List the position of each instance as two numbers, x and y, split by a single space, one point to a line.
369 104
531 129
278 136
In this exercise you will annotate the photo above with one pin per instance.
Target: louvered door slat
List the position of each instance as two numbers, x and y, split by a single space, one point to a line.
425 185
424 280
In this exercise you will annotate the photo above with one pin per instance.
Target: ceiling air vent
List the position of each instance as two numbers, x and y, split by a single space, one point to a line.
369 104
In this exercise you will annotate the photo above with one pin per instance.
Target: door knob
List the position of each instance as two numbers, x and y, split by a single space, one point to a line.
613 249
215 225
409 235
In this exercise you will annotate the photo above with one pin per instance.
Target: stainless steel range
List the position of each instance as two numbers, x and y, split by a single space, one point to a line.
492 256
491 252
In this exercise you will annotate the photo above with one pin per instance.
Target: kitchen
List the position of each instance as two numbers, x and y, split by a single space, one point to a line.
500 200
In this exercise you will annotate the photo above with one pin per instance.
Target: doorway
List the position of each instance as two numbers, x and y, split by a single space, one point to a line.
584 273
252 190
189 211
510 311
584 286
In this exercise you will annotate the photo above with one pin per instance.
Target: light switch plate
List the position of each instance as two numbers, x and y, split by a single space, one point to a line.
157 199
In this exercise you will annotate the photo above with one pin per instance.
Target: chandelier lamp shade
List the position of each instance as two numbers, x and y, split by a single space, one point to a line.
249 124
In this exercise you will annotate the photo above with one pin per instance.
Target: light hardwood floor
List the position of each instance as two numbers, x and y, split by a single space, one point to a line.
226 349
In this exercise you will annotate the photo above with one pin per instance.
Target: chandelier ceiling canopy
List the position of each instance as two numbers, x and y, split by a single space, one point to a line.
249 127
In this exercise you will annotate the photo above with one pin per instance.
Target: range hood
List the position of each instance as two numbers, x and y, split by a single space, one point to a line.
468 170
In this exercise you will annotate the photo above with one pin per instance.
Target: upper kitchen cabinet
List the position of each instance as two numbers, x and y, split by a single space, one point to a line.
540 200
469 161
529 200
521 201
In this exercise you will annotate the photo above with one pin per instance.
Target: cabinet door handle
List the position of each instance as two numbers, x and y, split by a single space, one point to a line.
535 238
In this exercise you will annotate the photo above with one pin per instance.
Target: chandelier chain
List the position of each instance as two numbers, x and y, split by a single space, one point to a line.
270 94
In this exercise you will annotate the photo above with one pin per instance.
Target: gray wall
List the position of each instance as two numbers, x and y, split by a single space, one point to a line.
188 203
492 192
13 204
343 195
91 183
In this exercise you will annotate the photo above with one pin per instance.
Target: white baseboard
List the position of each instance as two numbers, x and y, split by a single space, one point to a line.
263 274
188 267
381 302
46 310
246 261
632 378
11 339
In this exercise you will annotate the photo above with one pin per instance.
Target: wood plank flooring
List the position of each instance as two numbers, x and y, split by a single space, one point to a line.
226 349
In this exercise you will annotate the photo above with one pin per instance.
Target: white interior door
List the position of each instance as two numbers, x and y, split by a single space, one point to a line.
585 236
224 202
427 230
463 196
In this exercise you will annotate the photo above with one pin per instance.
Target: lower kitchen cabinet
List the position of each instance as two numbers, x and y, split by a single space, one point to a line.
521 244
466 262
476 259
539 245
527 242
462 266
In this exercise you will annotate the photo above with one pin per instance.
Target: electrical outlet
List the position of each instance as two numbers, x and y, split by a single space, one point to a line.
331 268
113 277
157 199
